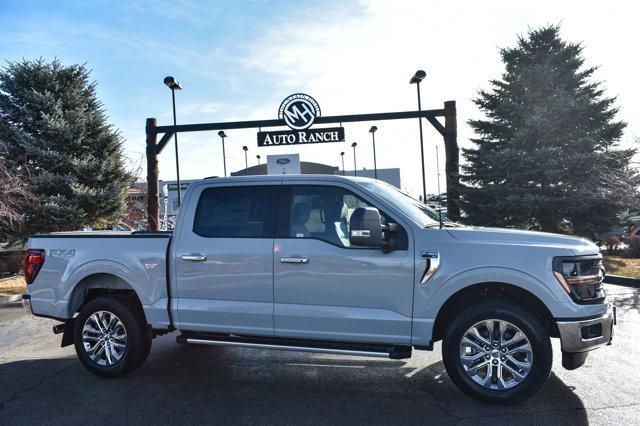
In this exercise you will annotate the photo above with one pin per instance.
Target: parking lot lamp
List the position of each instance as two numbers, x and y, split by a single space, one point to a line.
223 135
355 168
373 130
172 84
246 161
342 155
416 79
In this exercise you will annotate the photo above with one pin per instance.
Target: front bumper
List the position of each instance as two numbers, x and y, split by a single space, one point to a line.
587 334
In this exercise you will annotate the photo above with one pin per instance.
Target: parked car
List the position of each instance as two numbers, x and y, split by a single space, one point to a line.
327 264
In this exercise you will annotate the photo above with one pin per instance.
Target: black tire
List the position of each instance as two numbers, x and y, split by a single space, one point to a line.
138 341
527 323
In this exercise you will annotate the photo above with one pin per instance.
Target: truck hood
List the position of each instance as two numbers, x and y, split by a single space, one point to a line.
579 246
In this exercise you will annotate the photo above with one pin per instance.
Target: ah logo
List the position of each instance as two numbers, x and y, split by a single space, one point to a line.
299 111
283 161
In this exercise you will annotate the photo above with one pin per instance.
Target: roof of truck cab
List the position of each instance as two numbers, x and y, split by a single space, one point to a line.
291 177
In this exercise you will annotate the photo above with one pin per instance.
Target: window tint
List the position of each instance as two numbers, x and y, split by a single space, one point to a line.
323 212
237 212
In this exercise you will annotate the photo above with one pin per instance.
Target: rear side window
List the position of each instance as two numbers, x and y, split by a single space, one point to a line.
237 212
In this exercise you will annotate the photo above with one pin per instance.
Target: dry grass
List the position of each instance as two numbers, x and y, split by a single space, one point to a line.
622 266
12 285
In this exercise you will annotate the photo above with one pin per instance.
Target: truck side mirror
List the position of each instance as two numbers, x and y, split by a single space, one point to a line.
365 227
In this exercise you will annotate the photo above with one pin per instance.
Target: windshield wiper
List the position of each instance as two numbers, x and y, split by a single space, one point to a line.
444 225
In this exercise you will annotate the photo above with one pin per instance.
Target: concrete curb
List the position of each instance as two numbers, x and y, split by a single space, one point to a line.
623 281
10 300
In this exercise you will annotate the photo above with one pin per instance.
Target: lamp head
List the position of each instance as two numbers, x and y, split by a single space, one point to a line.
171 83
418 77
222 134
373 129
245 148
342 153
353 145
258 156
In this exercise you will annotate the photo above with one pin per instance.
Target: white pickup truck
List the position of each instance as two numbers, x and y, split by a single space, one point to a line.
327 264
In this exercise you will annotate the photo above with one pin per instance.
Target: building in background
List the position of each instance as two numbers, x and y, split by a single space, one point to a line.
391 176
306 168
169 200
275 164
291 164
135 215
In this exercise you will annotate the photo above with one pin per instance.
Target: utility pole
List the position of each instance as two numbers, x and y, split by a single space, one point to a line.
452 165
153 212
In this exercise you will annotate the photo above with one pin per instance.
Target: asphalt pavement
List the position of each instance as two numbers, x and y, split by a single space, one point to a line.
43 383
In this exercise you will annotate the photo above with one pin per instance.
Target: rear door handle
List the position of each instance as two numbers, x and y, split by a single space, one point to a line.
294 260
194 257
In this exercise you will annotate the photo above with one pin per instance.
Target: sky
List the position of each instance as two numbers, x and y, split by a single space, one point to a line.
237 60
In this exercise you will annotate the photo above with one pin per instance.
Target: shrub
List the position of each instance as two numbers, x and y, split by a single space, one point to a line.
612 244
11 263
634 247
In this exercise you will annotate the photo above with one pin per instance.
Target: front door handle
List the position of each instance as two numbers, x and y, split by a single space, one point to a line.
294 260
194 257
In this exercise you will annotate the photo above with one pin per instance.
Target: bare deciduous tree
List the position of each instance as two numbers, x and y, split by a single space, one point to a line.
14 195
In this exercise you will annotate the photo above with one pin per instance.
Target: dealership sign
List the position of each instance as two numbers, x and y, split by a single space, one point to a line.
299 112
296 137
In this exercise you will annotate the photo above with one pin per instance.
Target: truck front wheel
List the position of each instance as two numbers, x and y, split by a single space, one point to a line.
110 336
497 353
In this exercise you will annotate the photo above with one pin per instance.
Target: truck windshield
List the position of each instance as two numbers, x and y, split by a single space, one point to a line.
417 211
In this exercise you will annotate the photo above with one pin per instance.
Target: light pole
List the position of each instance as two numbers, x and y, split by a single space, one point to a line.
439 194
342 155
416 79
373 130
223 135
246 161
355 168
258 157
172 84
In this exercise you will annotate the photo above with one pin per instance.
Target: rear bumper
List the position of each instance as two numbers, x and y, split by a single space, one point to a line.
27 303
587 334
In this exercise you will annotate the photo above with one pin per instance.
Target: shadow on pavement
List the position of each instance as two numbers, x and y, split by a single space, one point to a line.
209 384
625 298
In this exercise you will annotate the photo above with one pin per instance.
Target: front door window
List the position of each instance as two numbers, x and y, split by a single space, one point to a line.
323 213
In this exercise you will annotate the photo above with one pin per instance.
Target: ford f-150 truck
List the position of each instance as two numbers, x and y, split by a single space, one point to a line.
327 264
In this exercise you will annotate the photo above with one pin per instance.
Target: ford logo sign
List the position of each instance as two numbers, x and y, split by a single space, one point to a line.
283 161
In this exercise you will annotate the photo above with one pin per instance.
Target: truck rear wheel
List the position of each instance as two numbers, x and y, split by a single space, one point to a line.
111 336
497 353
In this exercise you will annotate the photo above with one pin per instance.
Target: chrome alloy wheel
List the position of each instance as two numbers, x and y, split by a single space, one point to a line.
496 354
104 338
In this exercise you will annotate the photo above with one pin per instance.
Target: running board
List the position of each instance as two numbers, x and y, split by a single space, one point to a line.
298 345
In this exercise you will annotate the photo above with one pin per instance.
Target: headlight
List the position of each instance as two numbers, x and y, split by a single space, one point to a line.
581 277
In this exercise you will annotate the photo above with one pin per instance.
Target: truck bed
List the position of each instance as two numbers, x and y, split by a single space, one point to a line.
105 234
76 262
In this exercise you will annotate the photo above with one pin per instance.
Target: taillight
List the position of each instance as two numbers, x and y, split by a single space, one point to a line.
32 264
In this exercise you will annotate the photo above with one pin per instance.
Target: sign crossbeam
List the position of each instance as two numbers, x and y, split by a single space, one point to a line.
299 112
168 131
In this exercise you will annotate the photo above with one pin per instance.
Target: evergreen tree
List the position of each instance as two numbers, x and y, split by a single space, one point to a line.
57 136
545 157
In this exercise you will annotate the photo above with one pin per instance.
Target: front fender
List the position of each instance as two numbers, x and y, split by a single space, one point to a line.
430 297
438 294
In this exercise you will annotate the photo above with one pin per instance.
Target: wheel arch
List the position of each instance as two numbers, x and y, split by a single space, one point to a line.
492 291
100 284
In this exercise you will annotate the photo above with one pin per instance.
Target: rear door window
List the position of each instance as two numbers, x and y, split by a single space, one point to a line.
237 212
